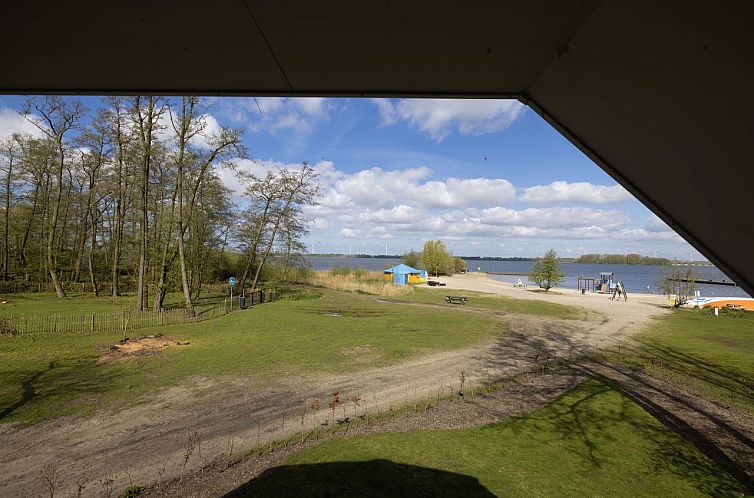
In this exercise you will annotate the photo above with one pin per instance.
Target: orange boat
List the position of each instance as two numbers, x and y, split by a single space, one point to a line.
745 303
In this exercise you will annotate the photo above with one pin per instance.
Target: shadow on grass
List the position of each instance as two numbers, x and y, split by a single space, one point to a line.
28 391
579 421
588 426
733 381
355 479
47 389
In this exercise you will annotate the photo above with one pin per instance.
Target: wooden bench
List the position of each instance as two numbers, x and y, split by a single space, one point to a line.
456 299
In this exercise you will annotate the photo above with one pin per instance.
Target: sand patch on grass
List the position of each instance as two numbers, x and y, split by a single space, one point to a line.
362 353
139 348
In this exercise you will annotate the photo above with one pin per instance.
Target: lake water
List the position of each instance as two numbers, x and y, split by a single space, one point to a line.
636 278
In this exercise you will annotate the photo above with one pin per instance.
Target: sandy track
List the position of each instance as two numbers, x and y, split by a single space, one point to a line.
150 442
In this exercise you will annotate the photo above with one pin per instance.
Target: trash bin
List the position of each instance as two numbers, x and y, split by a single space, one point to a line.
583 291
242 301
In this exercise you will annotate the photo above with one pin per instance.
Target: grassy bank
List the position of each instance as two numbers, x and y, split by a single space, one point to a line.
46 303
46 377
593 441
495 302
710 355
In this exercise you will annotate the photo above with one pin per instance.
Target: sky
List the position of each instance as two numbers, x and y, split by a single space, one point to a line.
488 177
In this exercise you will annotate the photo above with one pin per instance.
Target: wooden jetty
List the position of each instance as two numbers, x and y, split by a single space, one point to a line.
705 281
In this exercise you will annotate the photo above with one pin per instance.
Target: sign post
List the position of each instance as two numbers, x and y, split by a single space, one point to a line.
232 282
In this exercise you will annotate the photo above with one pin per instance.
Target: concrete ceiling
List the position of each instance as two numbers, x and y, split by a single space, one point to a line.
659 94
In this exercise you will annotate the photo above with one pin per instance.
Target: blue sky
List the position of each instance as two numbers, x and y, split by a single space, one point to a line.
486 176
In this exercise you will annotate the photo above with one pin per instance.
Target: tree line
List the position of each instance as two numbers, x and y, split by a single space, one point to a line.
621 259
435 258
129 197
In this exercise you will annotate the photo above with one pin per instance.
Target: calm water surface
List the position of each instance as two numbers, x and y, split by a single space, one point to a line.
636 278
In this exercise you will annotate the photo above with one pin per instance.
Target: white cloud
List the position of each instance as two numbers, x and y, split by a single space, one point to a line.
296 116
455 192
12 122
313 106
376 187
655 224
437 118
409 206
572 217
574 192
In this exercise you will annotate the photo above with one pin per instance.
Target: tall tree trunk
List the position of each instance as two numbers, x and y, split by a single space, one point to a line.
82 232
117 231
92 246
51 249
146 122
6 217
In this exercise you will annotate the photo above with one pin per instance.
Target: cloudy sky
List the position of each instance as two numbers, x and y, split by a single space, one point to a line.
485 176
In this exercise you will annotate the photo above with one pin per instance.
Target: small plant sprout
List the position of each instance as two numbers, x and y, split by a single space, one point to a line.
107 487
80 486
189 448
303 418
334 402
232 440
50 478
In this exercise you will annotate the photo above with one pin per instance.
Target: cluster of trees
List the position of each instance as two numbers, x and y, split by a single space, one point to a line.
128 197
546 272
621 259
435 258
678 281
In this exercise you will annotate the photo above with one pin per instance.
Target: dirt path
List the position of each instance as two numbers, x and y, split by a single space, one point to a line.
720 434
528 393
174 432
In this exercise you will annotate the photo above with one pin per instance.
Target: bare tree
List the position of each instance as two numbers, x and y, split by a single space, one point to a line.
95 153
121 140
145 113
58 117
9 152
282 195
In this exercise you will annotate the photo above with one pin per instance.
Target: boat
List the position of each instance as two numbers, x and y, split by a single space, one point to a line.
745 303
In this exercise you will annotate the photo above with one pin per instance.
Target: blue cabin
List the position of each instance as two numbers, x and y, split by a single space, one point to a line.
403 275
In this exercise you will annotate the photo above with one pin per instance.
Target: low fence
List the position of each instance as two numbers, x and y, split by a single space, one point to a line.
125 320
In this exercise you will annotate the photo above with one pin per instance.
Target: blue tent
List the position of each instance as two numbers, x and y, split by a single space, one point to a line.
404 274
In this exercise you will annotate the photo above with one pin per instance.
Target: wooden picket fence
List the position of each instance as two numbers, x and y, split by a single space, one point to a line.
91 323
125 320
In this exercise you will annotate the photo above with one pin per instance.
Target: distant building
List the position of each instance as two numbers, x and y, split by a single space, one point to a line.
403 275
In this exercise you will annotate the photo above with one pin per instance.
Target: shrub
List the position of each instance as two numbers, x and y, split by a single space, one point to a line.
340 270
361 273
133 491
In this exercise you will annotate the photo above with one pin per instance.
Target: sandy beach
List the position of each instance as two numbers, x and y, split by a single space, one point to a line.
621 318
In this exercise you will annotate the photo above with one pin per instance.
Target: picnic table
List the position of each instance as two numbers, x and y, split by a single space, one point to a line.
456 299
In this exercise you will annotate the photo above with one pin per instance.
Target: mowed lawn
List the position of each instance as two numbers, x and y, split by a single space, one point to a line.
593 441
712 355
48 376
45 303
493 302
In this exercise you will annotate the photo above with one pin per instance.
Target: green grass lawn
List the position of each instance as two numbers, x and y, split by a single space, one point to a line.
46 303
493 302
593 441
711 355
44 377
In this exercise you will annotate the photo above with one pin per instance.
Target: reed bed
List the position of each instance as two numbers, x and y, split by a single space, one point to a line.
358 281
